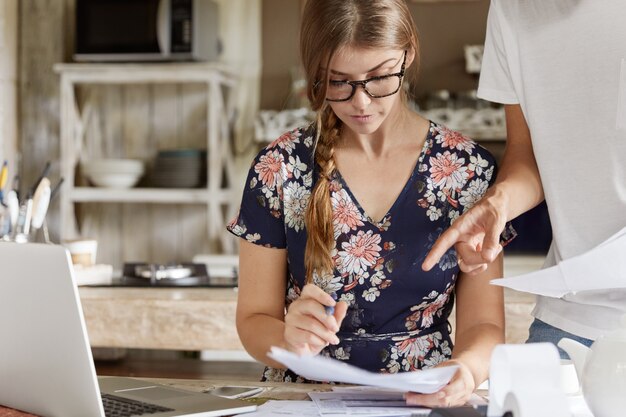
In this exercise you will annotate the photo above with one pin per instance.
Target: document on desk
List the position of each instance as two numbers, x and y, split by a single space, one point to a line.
603 267
370 403
286 408
320 368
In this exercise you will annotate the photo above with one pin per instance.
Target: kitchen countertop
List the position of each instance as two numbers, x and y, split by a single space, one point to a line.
204 318
161 318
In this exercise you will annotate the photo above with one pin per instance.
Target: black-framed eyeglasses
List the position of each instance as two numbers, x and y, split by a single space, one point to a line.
375 87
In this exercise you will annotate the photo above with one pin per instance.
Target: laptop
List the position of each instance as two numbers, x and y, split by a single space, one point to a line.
46 367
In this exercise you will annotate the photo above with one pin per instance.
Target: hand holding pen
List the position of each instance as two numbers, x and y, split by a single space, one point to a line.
310 324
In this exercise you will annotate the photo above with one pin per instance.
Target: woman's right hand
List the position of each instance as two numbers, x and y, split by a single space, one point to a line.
308 328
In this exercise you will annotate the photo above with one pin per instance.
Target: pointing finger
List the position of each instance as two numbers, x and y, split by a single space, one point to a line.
441 246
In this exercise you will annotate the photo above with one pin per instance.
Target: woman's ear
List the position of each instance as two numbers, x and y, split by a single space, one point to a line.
410 56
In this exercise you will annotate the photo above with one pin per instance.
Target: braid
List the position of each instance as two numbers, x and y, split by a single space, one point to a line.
319 214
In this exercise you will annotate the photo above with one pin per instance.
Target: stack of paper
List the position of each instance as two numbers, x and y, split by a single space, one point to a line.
320 368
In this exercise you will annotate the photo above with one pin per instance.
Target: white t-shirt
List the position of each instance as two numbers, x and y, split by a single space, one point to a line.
564 62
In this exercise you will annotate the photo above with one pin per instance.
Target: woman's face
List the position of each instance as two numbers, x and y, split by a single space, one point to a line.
362 113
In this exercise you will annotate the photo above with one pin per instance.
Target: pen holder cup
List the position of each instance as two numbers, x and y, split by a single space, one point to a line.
82 251
5 224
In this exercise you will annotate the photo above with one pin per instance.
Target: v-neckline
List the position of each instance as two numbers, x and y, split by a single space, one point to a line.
405 189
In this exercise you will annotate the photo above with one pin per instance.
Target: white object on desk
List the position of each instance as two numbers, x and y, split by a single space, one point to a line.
525 379
93 275
368 402
320 368
605 263
273 408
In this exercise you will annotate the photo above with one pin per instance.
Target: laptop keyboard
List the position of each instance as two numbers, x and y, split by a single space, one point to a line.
123 407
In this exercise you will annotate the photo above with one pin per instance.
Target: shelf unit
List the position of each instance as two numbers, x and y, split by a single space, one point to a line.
220 84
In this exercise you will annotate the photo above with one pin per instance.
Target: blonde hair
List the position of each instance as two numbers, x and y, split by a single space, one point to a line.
328 26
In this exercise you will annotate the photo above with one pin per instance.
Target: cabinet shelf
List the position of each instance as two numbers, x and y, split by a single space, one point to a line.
168 121
146 195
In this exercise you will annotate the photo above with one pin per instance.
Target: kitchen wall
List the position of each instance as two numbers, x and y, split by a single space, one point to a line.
444 28
46 34
8 80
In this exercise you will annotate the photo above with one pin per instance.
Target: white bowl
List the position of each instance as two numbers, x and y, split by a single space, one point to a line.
113 166
112 180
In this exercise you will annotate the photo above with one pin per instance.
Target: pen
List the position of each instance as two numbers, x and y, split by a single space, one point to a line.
3 180
16 186
25 214
41 199
56 188
14 208
43 175
330 310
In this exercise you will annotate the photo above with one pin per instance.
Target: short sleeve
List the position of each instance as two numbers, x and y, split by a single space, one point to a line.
260 216
496 82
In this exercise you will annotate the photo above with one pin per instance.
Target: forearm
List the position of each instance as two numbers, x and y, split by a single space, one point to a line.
518 186
473 348
261 299
480 319
258 333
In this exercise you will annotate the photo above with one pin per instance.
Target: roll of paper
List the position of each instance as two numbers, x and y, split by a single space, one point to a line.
550 403
526 374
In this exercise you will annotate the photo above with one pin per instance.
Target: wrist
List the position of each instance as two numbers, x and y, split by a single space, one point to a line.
498 198
469 374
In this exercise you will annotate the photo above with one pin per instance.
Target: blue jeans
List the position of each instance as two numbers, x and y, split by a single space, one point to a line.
543 332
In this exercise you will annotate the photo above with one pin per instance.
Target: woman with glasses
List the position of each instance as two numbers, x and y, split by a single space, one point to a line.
337 217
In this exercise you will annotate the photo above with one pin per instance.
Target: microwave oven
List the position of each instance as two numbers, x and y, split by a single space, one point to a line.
146 30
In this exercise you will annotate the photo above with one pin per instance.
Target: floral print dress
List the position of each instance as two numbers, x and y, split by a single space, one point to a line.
397 318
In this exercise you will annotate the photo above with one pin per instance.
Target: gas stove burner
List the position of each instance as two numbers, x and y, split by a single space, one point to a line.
166 275
158 271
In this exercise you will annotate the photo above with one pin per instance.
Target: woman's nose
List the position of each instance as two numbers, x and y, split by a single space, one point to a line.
360 99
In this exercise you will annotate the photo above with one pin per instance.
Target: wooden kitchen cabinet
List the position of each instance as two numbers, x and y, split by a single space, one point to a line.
136 139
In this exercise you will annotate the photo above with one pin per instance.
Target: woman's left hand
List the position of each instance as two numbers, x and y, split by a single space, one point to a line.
455 394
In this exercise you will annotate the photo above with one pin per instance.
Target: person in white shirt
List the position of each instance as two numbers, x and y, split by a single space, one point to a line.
559 67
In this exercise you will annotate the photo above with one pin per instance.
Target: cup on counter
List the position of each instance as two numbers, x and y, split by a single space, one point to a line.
82 251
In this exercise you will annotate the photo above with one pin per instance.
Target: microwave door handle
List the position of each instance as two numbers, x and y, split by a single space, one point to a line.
163 27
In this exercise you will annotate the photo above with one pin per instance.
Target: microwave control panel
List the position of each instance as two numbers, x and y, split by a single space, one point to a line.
182 20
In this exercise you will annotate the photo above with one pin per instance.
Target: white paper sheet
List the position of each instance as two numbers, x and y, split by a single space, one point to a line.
285 408
321 368
603 267
368 403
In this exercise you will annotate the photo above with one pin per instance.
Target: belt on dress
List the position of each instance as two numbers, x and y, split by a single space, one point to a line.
394 336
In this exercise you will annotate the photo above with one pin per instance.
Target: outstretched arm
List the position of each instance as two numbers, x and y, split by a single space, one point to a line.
518 188
479 328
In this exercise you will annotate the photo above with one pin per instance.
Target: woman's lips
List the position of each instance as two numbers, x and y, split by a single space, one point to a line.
362 117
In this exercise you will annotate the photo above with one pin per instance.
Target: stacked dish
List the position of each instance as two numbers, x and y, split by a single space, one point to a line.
113 173
179 168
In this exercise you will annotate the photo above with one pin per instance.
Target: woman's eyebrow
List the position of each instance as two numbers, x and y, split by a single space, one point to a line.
370 70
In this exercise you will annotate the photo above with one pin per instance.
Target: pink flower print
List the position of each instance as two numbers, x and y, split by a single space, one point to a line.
414 350
268 168
361 252
346 215
286 141
448 171
408 349
454 140
433 308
